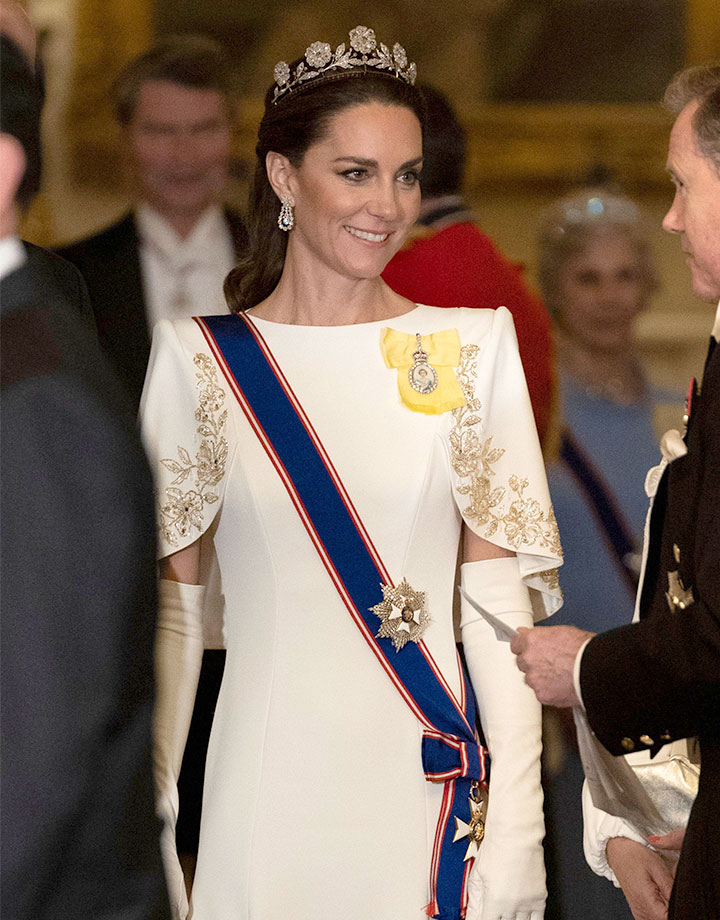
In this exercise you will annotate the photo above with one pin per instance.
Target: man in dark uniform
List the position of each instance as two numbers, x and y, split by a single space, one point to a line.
659 679
77 605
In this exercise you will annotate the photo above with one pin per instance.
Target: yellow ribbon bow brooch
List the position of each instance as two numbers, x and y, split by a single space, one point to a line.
426 379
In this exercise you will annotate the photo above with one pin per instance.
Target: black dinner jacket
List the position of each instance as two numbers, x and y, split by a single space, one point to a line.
77 613
652 682
110 264
68 283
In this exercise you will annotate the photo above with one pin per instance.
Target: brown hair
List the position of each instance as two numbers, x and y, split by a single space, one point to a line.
444 146
290 127
699 84
193 61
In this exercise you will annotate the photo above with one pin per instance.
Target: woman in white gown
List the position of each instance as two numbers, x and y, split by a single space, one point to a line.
320 800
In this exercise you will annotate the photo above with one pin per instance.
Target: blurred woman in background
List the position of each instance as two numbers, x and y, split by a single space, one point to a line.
597 276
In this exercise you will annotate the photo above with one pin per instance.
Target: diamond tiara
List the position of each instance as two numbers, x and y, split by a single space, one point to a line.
365 53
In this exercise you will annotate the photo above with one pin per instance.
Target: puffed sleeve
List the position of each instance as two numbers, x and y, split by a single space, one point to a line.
187 433
497 469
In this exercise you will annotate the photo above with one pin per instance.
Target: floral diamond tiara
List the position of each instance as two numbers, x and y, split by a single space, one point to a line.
364 53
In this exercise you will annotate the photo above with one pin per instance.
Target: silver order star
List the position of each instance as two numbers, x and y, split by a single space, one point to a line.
281 73
403 614
363 40
318 54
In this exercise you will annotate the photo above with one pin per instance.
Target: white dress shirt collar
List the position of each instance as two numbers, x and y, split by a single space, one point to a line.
716 325
201 244
184 277
12 255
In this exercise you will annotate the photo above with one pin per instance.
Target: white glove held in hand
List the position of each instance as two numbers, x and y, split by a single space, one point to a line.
507 881
178 658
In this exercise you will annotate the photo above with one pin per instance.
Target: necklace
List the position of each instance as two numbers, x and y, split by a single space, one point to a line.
623 390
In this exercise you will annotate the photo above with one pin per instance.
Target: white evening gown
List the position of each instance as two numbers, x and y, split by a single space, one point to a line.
315 804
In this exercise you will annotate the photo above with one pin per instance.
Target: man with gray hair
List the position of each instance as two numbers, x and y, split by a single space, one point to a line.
658 680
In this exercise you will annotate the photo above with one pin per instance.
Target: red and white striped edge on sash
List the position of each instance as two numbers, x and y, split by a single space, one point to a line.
449 783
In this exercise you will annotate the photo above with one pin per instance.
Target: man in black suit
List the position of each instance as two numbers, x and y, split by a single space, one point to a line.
659 679
168 257
77 605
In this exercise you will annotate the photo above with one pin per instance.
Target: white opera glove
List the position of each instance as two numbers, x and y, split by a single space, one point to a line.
507 881
178 658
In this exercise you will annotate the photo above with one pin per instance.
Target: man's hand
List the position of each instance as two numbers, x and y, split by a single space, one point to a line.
669 846
547 658
643 876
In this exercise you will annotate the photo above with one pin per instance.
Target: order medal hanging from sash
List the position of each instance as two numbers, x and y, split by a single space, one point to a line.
391 617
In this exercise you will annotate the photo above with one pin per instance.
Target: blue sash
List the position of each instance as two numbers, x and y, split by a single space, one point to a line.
450 750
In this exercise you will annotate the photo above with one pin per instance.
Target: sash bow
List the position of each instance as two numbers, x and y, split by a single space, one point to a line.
446 757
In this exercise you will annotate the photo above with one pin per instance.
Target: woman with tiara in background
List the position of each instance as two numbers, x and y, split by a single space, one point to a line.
597 276
327 447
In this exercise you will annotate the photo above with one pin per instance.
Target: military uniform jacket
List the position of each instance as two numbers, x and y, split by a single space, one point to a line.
649 683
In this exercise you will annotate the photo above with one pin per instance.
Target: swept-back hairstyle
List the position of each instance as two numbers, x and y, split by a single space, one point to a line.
699 84
192 61
290 127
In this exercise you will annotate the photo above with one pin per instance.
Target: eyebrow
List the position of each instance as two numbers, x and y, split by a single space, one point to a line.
362 161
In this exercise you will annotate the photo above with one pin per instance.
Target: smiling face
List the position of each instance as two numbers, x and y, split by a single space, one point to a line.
695 211
178 145
357 192
601 290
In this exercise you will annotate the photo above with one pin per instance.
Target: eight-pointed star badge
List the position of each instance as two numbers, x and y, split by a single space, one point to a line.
403 614
475 830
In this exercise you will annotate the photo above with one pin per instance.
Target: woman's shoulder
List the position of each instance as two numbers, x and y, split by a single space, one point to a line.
182 335
473 324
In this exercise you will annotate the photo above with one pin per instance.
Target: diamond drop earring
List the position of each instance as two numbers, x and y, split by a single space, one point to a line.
286 218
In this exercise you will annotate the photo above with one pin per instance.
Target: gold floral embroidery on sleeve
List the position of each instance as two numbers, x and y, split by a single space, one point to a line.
183 510
551 579
492 508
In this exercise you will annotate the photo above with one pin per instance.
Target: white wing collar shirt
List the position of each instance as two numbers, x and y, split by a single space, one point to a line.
184 277
716 325
12 255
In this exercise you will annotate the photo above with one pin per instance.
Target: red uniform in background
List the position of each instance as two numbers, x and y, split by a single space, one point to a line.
451 263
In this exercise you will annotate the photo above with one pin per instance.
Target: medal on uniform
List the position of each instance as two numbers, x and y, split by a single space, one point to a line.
678 596
422 376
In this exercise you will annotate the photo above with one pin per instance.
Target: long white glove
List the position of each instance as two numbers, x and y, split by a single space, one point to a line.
508 879
178 658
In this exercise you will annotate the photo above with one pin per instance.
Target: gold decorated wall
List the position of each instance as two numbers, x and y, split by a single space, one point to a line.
522 154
